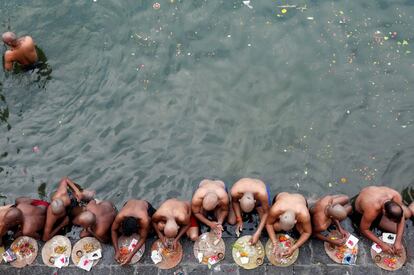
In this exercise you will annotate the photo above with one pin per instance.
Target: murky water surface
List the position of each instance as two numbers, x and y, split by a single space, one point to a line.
310 96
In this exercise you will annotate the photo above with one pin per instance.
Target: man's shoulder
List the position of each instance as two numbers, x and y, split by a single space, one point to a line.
9 55
27 39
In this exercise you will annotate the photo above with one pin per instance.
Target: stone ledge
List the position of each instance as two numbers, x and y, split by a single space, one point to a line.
312 260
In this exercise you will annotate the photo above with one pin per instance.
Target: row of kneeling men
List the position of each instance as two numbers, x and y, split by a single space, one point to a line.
212 204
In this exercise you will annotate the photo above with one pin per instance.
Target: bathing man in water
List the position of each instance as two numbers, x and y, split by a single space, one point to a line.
211 200
96 220
134 217
64 207
289 211
380 207
25 218
328 211
249 194
22 50
172 220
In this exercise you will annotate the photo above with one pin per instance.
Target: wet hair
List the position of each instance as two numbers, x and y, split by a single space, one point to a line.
129 226
57 207
393 211
247 202
337 211
210 201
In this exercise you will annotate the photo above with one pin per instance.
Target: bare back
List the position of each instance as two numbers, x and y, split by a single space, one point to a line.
293 202
180 211
320 221
372 198
248 185
24 53
34 218
105 214
205 186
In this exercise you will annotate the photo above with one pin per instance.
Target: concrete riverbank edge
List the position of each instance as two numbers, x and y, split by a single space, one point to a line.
312 260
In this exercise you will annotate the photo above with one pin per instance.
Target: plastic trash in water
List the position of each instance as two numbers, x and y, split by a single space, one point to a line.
247 4
36 149
156 6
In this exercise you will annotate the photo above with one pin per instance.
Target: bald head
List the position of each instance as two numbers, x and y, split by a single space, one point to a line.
171 229
337 212
247 202
287 220
210 201
57 207
86 219
9 38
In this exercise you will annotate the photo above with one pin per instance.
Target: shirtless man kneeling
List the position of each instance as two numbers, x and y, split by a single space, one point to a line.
134 217
22 51
211 198
26 218
289 211
172 220
64 207
328 211
381 207
96 220
249 194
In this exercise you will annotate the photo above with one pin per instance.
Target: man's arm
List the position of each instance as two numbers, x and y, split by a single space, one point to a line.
114 232
75 189
274 213
265 208
338 225
196 209
183 229
366 221
340 199
143 234
8 61
57 229
400 230
400 226
50 222
307 232
155 220
223 211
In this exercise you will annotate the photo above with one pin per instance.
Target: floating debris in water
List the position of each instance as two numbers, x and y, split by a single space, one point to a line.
156 6
310 18
344 180
284 10
36 149
247 4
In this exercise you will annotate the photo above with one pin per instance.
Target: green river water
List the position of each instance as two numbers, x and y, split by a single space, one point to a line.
309 96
